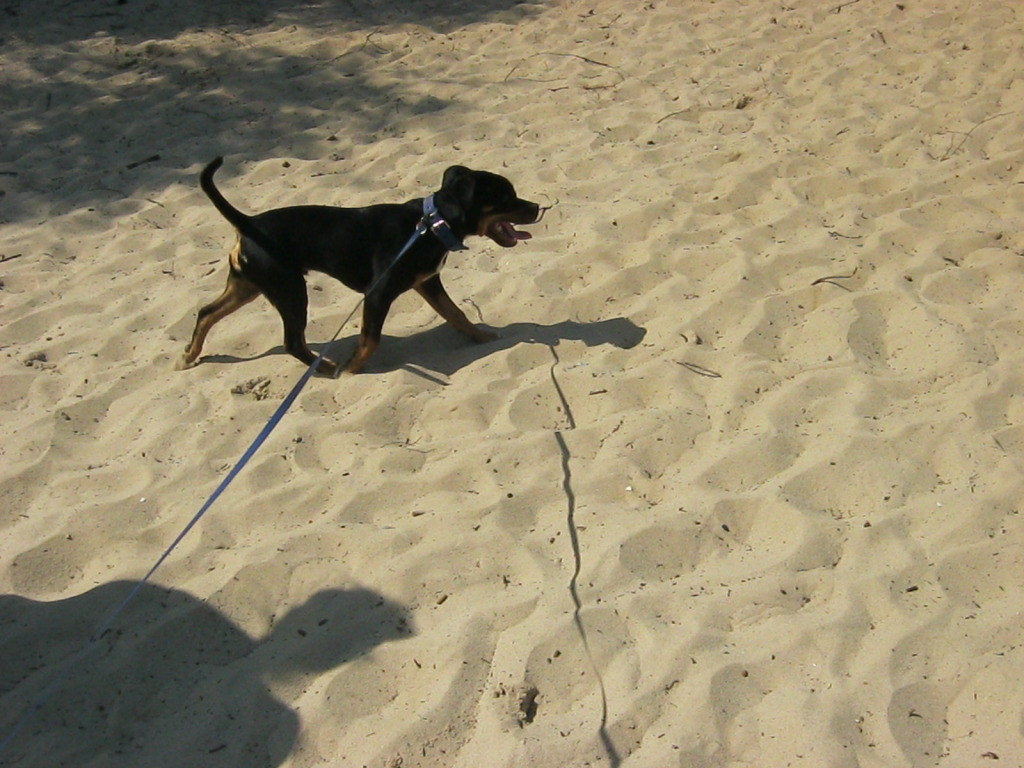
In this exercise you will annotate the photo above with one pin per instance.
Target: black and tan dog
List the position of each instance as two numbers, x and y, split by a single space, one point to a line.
358 246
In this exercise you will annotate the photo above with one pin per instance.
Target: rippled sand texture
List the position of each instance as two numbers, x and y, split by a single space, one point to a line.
738 486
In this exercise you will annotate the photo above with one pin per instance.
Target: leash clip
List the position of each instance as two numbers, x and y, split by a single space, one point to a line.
432 218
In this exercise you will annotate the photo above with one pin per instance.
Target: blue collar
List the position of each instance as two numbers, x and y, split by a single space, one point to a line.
432 218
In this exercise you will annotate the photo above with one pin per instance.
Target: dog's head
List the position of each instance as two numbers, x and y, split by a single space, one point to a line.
486 204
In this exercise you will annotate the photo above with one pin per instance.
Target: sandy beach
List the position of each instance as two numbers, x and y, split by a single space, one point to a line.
737 486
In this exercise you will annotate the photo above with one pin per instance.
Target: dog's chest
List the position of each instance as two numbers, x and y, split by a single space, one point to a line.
437 269
432 270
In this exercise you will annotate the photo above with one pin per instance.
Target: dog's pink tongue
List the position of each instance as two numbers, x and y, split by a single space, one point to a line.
522 235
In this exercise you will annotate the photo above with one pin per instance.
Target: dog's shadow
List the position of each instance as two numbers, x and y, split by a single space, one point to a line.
442 350
176 681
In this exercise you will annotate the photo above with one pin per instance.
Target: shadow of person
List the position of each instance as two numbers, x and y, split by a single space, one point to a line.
176 682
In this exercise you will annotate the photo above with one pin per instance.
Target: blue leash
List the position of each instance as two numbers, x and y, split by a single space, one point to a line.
261 438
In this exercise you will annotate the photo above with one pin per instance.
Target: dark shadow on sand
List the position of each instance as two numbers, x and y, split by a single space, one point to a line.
176 682
103 106
134 21
443 351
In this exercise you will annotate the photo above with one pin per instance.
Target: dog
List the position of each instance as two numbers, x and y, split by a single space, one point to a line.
358 246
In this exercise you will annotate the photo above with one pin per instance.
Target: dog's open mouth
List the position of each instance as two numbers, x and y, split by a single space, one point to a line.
505 234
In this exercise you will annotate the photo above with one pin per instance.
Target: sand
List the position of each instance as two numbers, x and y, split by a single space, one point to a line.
739 485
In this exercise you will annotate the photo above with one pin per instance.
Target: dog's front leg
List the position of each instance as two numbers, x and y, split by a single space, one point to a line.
437 297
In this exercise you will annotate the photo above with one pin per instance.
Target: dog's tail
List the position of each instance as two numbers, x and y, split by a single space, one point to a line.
244 224
227 210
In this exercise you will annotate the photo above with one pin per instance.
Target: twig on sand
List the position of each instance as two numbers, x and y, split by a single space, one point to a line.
137 163
954 148
839 8
700 369
584 59
831 280
671 114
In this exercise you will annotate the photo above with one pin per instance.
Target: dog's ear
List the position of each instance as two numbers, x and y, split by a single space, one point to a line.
460 184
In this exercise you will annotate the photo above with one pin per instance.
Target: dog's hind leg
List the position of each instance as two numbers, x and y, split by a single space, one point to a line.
236 294
287 292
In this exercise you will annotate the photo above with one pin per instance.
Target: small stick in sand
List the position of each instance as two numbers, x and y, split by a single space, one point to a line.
137 163
952 150
831 280
700 369
584 59
839 8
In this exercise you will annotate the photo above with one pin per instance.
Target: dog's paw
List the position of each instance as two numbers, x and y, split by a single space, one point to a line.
328 369
183 363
